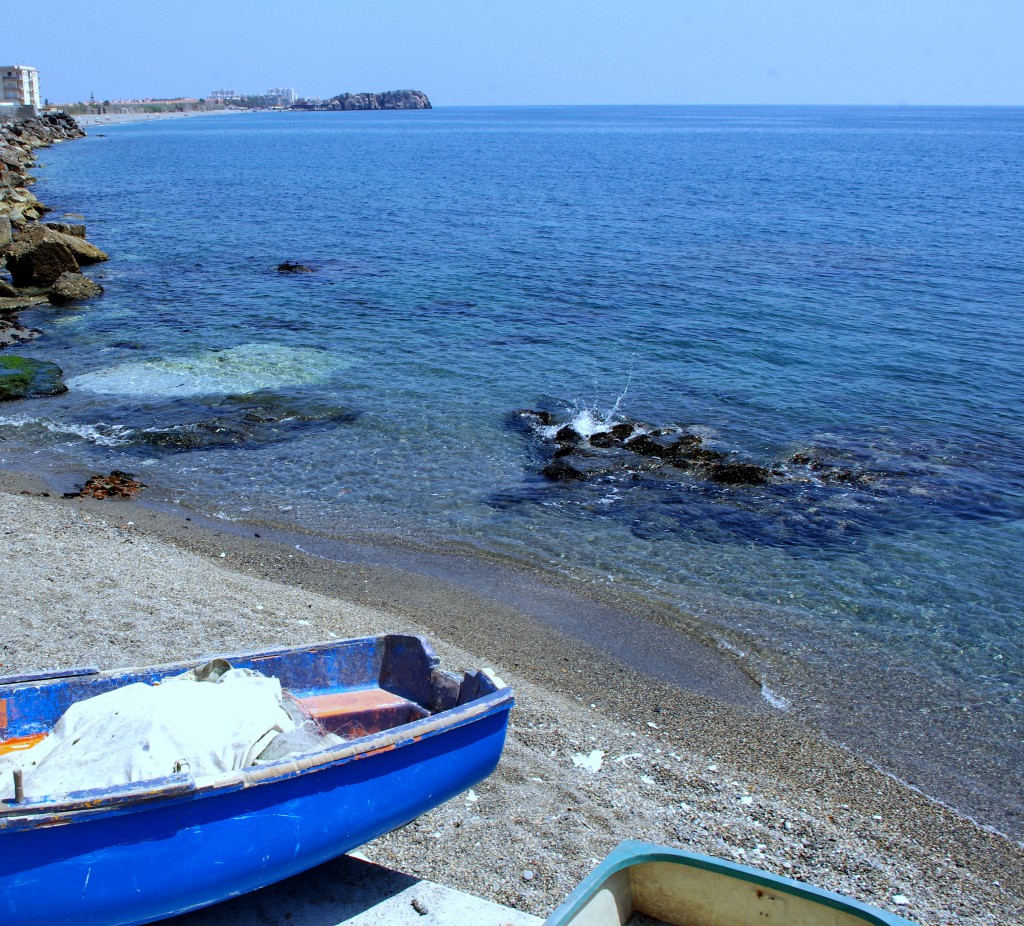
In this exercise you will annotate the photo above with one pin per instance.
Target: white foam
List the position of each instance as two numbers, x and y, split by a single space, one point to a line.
774 698
103 435
237 370
585 422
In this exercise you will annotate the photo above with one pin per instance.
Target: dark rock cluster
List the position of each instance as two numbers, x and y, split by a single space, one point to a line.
44 260
290 266
626 446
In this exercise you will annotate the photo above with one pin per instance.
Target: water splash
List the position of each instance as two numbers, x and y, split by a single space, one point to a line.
587 419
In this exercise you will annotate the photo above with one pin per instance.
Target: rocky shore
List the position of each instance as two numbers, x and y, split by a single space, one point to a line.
43 260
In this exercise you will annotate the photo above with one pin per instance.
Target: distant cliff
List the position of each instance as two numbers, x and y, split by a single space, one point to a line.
389 99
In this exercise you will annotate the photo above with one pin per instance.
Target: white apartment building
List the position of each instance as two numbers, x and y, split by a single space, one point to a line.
19 85
224 95
287 94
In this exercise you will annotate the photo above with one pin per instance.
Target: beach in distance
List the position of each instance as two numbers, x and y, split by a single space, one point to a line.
700 425
91 120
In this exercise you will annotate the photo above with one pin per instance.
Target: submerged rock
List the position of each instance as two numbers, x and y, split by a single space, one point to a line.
543 417
735 474
829 472
13 333
22 378
232 420
71 287
560 471
292 267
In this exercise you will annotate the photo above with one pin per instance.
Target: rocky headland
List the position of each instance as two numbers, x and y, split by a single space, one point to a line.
44 260
389 99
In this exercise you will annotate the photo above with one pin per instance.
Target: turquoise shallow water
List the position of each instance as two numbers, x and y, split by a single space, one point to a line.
840 283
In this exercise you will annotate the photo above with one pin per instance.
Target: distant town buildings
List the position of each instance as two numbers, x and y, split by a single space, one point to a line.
287 94
275 96
19 86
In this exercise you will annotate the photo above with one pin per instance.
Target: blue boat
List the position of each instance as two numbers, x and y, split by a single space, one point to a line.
641 884
416 736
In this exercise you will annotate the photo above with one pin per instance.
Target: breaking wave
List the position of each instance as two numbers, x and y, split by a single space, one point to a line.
103 435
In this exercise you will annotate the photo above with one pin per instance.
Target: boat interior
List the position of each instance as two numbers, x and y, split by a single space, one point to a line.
352 688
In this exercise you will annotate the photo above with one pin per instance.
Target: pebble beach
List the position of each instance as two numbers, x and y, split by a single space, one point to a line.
596 753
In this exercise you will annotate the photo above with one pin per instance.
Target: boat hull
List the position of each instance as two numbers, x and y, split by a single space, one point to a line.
175 851
677 888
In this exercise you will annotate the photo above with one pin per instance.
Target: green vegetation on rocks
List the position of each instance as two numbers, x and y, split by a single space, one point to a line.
22 378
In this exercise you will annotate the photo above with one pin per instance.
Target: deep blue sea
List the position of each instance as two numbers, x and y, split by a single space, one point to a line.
835 294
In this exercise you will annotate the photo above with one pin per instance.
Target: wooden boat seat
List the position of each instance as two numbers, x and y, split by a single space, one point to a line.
352 714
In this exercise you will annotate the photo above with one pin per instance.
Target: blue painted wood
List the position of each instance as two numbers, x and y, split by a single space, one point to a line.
27 709
127 862
39 676
630 853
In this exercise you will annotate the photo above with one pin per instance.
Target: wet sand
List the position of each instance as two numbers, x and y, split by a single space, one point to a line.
693 756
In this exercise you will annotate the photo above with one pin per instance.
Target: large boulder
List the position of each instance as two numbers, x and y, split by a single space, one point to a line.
67 228
12 157
6 234
22 377
85 252
71 287
38 261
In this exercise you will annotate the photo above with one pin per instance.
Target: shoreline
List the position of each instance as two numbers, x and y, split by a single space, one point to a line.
792 764
650 637
114 583
94 120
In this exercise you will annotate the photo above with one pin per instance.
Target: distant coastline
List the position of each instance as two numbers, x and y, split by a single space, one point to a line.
387 100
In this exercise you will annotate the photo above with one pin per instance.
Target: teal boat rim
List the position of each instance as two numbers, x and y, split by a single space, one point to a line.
630 852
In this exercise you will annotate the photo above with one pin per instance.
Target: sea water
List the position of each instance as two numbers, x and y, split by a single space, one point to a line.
841 285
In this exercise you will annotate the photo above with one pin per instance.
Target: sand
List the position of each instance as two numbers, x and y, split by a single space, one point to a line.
114 583
92 120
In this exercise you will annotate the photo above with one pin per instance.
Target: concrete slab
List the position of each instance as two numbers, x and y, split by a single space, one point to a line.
350 891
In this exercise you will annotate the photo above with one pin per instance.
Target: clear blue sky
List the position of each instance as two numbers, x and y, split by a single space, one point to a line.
475 52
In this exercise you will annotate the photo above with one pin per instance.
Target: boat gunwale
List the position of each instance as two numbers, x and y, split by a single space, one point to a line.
630 853
89 804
